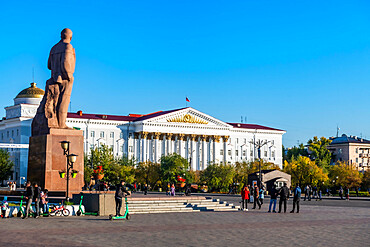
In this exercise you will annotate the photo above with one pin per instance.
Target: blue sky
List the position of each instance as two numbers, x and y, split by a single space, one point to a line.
302 66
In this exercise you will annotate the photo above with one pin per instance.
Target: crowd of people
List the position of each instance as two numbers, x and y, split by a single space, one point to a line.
33 193
255 195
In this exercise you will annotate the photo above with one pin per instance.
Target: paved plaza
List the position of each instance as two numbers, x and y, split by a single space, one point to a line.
318 224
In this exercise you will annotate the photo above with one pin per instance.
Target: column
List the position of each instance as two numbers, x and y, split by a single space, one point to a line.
209 150
203 138
143 146
216 149
138 149
169 143
193 153
156 151
225 139
180 143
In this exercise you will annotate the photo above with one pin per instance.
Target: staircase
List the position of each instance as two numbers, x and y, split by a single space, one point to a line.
179 205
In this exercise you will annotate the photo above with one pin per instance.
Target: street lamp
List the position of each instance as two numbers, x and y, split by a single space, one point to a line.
259 144
71 159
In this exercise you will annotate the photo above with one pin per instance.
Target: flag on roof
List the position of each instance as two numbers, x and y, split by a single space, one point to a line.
187 99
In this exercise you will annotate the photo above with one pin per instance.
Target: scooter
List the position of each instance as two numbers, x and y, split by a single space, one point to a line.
80 210
126 216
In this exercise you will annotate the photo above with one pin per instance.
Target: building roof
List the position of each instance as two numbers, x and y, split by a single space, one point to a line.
252 126
31 92
348 139
99 116
157 114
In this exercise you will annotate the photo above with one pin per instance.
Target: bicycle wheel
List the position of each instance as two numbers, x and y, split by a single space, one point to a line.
58 213
65 212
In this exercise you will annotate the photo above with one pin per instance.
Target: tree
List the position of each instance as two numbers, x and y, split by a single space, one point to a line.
345 175
6 165
218 177
88 171
148 173
172 166
296 151
319 152
366 180
243 169
305 172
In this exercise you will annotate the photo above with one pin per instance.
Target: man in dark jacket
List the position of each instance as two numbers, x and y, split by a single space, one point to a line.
273 195
28 195
284 196
120 192
36 198
297 197
256 194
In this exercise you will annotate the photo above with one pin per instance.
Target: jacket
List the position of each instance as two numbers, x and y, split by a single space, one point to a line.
297 194
256 192
245 194
284 193
36 192
29 192
120 191
273 193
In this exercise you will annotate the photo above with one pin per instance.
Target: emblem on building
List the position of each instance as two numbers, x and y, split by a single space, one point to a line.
187 119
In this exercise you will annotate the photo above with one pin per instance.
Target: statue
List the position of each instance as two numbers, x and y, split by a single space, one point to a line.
53 109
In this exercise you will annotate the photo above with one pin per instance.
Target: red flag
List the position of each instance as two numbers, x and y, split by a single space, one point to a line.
187 99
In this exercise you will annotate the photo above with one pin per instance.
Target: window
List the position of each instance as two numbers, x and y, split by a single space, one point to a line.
121 149
130 148
121 135
272 142
356 160
17 132
7 134
111 147
91 146
229 152
102 134
251 154
356 151
237 140
12 133
340 151
221 152
244 153
273 154
92 133
265 153
236 152
111 135
2 136
245 141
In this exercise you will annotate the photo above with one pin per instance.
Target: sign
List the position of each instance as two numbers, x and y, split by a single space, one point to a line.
10 145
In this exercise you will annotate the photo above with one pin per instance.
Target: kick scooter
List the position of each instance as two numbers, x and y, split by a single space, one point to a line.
126 216
80 211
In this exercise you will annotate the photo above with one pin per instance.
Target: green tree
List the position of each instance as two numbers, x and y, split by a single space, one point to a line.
218 177
366 180
88 171
296 151
319 152
6 165
172 166
305 172
345 175
148 173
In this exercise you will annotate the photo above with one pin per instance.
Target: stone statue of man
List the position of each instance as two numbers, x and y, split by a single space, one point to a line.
53 109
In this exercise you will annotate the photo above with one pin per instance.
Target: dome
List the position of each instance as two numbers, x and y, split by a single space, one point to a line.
31 92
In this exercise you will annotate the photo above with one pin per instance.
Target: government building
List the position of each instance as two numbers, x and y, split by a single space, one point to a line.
198 137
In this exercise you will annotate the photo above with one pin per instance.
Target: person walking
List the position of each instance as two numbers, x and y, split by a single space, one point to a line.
273 196
262 195
341 192
120 192
256 197
296 198
145 189
306 192
28 195
245 198
347 193
173 190
36 198
284 196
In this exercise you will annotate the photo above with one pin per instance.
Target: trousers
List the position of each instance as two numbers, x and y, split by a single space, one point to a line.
244 203
295 203
281 201
28 206
272 201
118 205
256 201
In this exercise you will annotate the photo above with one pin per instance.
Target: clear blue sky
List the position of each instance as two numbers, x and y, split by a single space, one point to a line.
302 66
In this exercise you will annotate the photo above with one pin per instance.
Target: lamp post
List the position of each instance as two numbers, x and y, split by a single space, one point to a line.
259 144
71 159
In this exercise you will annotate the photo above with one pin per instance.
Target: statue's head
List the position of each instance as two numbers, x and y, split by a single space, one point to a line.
66 35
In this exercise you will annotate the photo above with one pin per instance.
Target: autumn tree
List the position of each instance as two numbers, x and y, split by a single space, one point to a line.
148 173
294 152
319 152
304 171
172 166
345 175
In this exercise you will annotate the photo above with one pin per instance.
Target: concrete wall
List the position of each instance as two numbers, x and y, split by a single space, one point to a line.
103 203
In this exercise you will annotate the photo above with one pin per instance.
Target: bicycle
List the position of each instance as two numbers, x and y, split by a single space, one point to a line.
59 211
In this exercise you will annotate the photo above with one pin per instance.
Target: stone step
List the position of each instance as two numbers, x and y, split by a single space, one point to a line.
162 212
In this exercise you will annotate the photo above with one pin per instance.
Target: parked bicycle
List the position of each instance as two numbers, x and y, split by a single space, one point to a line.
59 210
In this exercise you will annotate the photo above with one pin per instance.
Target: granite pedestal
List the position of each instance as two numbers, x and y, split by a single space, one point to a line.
46 158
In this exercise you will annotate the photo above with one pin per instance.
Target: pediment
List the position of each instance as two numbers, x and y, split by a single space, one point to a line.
188 116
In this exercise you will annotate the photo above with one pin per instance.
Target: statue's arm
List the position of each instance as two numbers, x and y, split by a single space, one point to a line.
69 60
49 61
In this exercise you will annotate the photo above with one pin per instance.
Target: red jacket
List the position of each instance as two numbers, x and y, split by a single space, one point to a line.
245 194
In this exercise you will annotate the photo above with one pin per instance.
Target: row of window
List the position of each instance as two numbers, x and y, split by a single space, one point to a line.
245 153
102 134
9 133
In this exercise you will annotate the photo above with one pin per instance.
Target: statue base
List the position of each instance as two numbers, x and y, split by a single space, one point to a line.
46 159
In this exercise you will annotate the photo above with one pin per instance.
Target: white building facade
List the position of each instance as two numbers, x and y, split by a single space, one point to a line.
198 137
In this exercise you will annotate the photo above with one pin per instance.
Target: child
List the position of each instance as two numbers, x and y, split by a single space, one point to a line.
4 207
45 202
